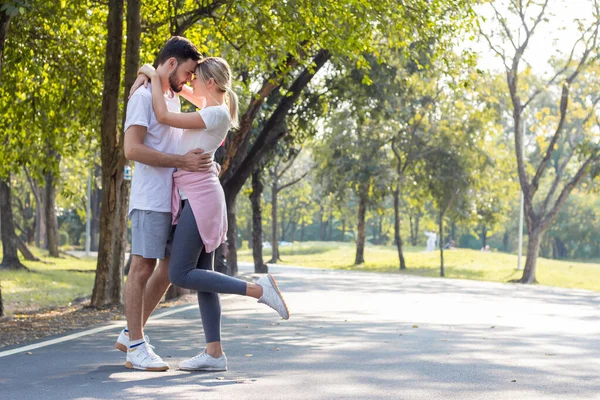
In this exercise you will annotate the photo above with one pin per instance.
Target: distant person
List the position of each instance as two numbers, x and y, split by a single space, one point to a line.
431 240
449 245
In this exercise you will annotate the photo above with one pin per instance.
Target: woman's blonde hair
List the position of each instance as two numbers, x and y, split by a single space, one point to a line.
218 69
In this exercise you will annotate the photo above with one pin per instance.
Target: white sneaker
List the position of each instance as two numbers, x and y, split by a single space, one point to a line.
272 296
204 362
122 342
143 357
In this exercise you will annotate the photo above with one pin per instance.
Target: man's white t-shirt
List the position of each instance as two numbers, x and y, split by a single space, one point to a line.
151 186
217 121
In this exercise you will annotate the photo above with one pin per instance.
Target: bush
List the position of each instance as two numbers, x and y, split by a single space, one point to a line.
63 238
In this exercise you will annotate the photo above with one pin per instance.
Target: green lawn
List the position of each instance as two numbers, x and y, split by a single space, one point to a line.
62 280
46 285
459 263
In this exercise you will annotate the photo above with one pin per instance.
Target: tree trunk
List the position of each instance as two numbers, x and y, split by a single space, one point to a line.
40 219
302 232
40 222
397 236
416 237
323 231
410 227
330 238
257 189
27 254
483 237
50 210
1 303
4 23
362 210
534 240
109 269
283 223
27 215
95 207
343 230
175 291
293 229
220 259
413 220
10 256
274 239
561 249
505 242
231 236
441 225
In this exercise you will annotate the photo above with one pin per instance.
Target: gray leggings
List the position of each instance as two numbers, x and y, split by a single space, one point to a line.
192 268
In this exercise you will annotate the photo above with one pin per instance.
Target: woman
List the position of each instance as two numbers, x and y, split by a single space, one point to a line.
199 209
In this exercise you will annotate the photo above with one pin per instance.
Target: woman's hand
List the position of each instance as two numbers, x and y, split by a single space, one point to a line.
141 80
145 74
147 70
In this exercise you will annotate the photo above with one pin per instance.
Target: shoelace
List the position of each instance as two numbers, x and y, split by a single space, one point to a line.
150 352
199 355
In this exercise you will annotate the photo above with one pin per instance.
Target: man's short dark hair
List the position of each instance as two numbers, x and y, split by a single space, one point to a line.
179 48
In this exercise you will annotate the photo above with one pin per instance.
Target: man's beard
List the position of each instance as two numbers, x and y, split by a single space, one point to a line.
175 86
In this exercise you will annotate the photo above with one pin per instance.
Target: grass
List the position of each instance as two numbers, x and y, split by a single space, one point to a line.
54 283
458 263
59 281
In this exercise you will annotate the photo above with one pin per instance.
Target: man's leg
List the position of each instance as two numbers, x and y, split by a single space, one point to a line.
135 288
156 287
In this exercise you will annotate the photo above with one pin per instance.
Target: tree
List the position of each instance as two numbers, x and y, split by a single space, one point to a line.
411 141
109 278
576 161
257 240
277 172
348 165
41 114
10 258
24 217
351 33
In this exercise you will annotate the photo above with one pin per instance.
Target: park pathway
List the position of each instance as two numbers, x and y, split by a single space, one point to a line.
351 335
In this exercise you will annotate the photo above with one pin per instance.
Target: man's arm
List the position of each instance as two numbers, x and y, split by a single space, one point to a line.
135 149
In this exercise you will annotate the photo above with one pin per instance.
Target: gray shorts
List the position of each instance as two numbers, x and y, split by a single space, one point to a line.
151 233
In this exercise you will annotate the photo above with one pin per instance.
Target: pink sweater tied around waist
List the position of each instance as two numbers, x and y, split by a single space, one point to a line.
206 197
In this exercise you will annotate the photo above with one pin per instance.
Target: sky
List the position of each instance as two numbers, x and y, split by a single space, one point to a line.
555 36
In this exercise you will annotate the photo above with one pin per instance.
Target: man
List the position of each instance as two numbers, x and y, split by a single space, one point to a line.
152 146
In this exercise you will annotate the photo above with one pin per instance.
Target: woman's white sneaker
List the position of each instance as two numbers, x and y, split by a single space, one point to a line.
143 357
204 362
272 296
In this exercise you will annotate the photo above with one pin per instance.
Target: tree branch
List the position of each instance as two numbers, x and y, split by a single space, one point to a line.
293 182
583 171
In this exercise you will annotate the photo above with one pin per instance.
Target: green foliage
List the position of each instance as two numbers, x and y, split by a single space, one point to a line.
51 84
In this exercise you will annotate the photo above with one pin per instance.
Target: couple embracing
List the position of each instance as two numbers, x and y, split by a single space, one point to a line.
177 205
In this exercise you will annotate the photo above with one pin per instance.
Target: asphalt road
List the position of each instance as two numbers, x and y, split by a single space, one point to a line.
351 335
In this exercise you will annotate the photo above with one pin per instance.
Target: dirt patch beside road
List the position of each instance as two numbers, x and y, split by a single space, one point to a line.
28 327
